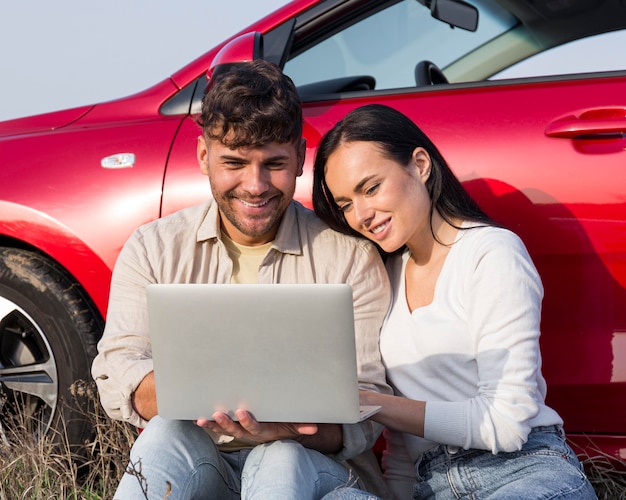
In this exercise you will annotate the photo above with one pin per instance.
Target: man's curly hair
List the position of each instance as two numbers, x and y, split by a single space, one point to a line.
251 104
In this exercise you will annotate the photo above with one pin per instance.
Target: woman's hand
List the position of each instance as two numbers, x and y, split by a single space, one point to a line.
401 414
370 398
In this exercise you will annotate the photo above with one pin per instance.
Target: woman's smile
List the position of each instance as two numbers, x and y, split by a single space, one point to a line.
380 227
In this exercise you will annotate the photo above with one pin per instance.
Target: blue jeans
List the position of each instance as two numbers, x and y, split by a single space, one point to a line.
180 458
350 493
545 467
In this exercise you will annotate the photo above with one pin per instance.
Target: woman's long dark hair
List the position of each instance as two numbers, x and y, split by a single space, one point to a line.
397 137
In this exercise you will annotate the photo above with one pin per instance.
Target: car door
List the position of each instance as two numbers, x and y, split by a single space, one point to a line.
544 156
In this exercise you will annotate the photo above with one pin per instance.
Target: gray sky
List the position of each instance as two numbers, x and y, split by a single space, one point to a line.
63 53
57 54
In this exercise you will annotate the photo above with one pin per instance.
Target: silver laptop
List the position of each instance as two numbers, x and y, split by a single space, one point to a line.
284 352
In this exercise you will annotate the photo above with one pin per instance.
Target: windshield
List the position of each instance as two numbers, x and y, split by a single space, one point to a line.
388 44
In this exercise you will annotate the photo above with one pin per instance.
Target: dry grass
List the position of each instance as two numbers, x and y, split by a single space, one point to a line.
607 475
50 467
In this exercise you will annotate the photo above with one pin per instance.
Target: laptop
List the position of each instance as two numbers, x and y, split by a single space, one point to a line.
284 352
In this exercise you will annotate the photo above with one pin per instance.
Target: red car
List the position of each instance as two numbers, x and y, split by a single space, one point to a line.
543 152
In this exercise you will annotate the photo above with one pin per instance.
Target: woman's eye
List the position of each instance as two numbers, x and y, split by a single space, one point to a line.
345 207
372 189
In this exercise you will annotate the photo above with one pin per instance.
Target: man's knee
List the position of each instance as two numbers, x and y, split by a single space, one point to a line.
286 469
282 451
180 457
175 438
290 458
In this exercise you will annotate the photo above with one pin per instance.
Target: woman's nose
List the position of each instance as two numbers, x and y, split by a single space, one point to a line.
364 214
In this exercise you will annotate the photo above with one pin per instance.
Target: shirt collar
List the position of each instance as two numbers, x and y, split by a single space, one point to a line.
209 225
287 239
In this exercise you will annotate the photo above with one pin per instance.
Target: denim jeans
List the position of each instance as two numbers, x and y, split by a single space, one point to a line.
180 458
350 493
545 468
287 470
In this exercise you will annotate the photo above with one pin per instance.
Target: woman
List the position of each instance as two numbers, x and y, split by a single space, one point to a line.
461 341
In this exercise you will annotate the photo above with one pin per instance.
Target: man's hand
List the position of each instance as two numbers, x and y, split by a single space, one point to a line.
250 430
144 398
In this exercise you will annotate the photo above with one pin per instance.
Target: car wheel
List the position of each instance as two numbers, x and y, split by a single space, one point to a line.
48 334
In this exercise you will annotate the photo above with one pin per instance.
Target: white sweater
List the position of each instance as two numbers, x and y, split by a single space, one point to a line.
473 353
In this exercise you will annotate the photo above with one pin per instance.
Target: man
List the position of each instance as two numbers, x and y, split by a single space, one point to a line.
252 231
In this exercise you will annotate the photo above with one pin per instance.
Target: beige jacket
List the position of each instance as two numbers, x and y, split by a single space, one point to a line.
185 247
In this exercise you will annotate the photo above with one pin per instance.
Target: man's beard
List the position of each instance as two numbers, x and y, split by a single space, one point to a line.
253 226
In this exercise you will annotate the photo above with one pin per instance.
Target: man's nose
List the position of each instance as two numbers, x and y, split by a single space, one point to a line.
256 180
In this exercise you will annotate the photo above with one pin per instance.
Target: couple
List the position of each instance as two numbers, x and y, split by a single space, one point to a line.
460 342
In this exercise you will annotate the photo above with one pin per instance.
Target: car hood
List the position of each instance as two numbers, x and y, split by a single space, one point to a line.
41 123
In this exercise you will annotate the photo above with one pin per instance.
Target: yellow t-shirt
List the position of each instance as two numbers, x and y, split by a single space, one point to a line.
246 260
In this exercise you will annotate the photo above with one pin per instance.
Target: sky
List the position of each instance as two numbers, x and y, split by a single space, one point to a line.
65 53
57 54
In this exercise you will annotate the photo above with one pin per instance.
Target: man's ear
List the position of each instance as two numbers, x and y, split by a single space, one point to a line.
422 162
202 154
301 156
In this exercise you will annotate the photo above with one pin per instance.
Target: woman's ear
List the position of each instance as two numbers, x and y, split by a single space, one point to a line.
421 160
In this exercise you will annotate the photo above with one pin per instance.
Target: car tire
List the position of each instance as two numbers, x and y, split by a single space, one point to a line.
49 329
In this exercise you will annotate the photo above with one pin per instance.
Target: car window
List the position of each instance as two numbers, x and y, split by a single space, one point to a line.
388 45
592 54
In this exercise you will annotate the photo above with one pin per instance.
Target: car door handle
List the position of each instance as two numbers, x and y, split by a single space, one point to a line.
607 123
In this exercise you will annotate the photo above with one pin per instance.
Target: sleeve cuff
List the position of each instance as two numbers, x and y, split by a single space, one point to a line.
445 422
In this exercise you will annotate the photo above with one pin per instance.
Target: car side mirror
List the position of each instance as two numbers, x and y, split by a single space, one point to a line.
244 48
456 13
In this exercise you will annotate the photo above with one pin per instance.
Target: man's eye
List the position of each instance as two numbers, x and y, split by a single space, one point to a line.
233 164
275 166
